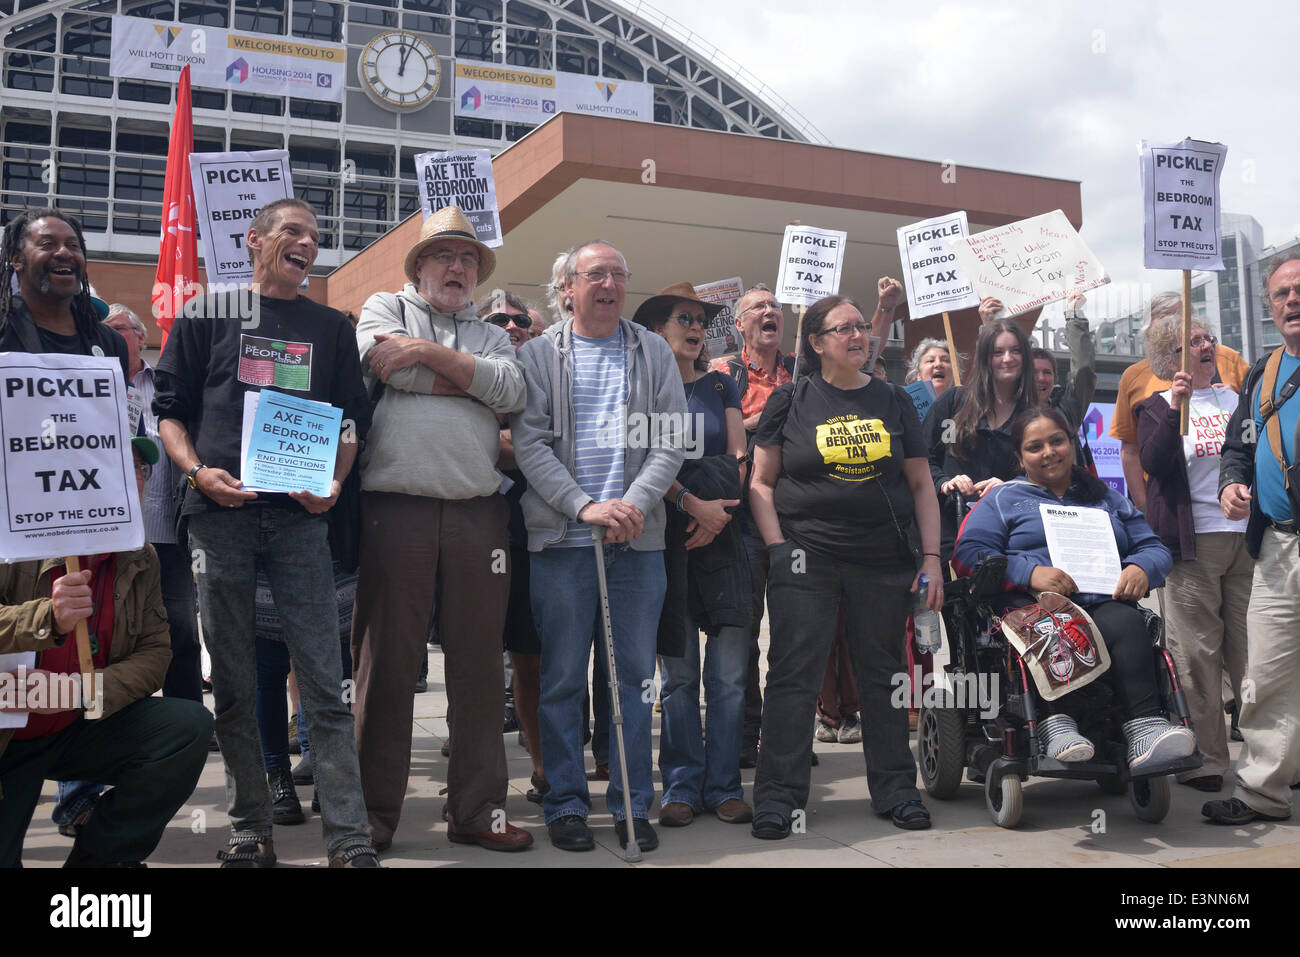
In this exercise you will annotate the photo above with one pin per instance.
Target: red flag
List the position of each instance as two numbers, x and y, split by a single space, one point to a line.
178 251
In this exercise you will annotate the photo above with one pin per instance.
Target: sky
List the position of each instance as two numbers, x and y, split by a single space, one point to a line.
1052 89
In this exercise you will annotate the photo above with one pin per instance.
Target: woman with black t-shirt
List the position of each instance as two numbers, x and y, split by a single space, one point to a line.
840 474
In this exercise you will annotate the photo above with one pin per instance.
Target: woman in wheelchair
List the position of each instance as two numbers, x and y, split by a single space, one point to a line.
1008 522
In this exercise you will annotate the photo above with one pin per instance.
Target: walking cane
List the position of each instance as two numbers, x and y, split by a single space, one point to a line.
633 850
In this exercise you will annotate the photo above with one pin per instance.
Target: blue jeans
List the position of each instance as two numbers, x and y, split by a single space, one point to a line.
693 767
72 796
565 597
292 548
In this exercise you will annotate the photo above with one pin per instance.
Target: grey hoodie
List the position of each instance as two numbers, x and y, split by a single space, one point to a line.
438 446
544 441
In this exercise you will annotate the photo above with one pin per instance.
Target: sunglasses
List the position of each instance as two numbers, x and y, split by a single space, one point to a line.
504 319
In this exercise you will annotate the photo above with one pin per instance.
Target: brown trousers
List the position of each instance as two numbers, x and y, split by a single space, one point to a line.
410 543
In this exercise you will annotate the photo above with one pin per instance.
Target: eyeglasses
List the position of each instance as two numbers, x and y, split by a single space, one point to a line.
846 330
1200 342
504 319
144 470
762 307
446 258
598 276
686 320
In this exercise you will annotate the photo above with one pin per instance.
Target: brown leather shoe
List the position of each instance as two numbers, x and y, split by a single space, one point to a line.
676 814
734 811
511 839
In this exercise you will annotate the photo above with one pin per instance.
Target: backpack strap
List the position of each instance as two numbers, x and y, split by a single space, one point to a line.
1268 407
740 372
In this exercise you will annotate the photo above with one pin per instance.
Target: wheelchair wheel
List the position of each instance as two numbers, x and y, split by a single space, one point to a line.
941 743
1150 798
1005 800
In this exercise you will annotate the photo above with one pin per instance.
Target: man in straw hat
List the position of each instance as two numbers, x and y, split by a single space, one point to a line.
597 384
211 361
432 513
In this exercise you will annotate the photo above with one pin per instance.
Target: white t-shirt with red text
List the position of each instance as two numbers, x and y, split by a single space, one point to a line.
1211 408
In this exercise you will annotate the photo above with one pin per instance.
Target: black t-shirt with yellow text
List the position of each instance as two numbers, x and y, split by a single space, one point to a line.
842 491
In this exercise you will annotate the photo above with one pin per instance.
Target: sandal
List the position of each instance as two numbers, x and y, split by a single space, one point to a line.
910 816
540 787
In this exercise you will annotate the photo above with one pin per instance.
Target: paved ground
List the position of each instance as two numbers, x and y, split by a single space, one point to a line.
1065 824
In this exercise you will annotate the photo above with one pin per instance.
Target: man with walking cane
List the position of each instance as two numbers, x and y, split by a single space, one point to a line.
600 441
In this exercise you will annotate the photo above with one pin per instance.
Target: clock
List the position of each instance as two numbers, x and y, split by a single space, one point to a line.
399 70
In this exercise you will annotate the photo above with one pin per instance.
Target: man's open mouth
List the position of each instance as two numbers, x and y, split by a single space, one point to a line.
297 259
769 326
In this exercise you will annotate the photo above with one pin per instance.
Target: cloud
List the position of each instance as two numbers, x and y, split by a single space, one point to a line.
1053 90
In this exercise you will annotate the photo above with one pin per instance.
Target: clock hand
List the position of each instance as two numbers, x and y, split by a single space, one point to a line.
401 64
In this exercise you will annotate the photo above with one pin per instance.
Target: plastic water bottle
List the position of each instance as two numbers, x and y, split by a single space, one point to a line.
925 623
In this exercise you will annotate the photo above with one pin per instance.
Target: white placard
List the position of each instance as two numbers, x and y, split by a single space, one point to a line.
464 179
229 190
811 261
1180 204
9 664
487 91
1081 543
224 59
69 475
1030 263
933 277
722 337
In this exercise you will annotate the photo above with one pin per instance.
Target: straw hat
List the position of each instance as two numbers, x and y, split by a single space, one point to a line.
450 223
649 310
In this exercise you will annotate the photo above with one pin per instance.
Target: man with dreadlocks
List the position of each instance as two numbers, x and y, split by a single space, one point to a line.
45 302
213 357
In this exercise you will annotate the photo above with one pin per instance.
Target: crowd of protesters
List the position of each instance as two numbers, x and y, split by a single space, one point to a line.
485 443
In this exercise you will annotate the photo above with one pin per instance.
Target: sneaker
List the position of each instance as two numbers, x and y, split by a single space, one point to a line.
421 686
1075 631
1059 738
570 833
358 855
1234 812
285 807
851 730
294 746
824 732
646 838
249 852
1153 741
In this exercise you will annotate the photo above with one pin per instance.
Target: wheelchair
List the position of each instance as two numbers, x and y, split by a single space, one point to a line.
1002 751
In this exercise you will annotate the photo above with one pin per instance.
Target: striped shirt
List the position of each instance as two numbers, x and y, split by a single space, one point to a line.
600 412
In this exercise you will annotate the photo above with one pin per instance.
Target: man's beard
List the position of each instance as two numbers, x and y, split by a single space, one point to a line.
46 283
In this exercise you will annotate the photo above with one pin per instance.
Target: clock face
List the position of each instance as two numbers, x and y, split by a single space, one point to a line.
399 70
